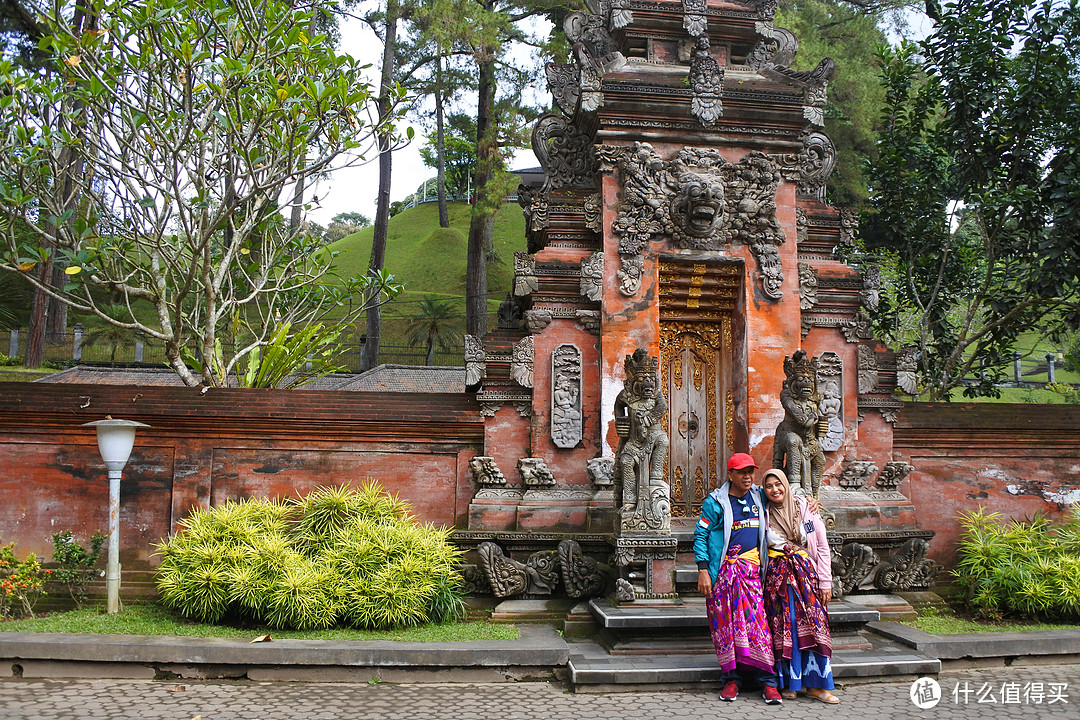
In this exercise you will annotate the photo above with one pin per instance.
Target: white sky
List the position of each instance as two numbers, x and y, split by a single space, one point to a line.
354 189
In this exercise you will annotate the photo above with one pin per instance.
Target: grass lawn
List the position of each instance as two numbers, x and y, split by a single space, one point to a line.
945 621
153 619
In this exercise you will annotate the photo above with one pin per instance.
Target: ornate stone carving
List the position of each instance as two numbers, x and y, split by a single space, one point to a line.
537 319
601 471
589 319
830 388
488 408
642 449
566 427
778 46
486 473
796 444
581 575
856 473
525 281
592 209
893 474
595 53
564 83
811 167
706 83
700 200
907 569
510 313
624 591
802 224
475 361
564 152
808 286
521 362
871 289
858 328
535 473
473 580
851 566
868 369
629 274
694 16
849 223
907 371
592 276
508 577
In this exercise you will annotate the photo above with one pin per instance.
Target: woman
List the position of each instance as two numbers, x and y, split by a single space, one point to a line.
798 587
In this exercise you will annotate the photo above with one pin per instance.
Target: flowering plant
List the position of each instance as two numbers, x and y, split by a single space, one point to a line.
22 582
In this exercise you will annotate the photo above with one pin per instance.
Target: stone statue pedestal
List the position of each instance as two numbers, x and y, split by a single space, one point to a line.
647 563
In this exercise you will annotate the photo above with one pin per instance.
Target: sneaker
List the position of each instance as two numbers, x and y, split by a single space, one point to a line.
730 691
772 696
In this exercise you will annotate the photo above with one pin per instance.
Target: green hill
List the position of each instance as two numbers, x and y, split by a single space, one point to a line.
430 260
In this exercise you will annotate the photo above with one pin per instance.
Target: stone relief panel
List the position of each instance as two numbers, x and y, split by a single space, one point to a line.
592 277
581 576
699 200
525 280
706 84
564 83
830 388
566 423
808 286
868 369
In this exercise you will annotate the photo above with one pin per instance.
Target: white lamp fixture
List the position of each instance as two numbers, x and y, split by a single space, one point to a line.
115 440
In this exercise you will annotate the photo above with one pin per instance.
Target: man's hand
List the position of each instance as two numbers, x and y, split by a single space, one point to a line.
825 594
704 583
813 504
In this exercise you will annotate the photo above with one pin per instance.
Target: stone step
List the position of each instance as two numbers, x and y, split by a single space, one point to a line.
593 669
690 613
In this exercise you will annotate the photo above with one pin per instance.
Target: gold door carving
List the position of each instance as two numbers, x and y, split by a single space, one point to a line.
695 366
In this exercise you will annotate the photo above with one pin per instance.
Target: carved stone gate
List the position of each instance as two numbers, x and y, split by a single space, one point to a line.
697 300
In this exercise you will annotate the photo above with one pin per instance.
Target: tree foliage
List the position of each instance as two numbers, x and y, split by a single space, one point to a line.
198 114
977 187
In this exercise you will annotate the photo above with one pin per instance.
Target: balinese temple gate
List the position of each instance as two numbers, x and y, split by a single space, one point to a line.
681 300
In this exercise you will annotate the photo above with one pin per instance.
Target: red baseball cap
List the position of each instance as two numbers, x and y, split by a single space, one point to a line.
740 461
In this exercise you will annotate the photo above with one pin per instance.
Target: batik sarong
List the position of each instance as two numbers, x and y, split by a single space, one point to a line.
739 628
796 618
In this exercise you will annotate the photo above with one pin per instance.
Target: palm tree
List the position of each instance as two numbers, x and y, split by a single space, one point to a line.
111 335
437 322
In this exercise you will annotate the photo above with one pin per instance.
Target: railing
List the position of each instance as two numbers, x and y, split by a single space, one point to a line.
73 349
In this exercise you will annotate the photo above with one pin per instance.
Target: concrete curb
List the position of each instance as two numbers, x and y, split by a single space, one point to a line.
982 645
539 649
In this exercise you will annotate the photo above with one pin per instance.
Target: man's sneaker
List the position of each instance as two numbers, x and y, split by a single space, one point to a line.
772 696
730 691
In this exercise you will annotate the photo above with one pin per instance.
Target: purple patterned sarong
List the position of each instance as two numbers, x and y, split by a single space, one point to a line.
740 630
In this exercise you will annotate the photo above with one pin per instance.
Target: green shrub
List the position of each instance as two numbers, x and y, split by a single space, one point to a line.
1027 567
337 556
75 565
22 582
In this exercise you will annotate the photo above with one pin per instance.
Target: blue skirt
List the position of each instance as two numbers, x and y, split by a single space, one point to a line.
806 668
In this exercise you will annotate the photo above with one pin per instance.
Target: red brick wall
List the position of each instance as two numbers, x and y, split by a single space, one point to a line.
1013 459
203 449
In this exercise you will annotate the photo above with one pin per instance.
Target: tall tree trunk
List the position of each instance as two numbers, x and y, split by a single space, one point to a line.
440 144
369 357
476 266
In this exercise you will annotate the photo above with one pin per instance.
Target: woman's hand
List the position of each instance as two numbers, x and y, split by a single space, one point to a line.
704 583
825 594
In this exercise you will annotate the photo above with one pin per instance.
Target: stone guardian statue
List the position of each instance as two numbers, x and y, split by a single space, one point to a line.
643 446
796 445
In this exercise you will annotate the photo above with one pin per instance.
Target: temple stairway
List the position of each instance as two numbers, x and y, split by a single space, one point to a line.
663 644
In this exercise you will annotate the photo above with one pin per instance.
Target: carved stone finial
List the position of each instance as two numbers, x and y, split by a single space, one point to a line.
868 369
475 361
907 371
537 319
871 289
856 473
535 473
525 280
486 472
592 276
581 575
521 362
893 474
706 83
564 152
808 286
601 471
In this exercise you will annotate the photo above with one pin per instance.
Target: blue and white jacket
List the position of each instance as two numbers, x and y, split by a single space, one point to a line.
712 534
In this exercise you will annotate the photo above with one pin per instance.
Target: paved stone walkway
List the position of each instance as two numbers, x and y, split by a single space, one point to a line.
1026 692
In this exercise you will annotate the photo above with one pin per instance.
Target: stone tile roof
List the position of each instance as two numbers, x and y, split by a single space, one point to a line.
383 378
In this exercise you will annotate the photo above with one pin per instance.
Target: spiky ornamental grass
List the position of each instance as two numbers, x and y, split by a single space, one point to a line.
1029 568
337 556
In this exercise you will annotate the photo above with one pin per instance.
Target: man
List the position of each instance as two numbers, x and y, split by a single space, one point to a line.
730 550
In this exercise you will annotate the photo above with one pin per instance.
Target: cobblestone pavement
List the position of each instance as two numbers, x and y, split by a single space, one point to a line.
1043 692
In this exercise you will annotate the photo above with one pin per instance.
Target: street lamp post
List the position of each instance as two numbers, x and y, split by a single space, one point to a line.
115 440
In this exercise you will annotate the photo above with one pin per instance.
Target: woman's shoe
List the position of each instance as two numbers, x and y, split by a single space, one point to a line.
822 696
788 694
